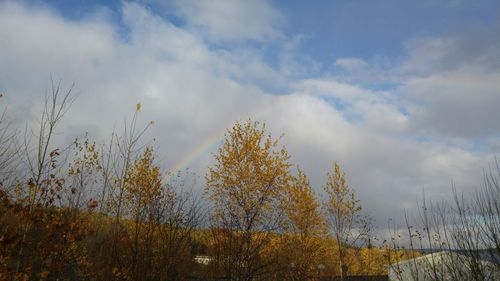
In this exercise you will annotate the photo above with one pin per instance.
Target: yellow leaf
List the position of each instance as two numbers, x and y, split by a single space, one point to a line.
44 274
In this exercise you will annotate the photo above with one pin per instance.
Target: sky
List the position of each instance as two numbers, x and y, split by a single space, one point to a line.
404 95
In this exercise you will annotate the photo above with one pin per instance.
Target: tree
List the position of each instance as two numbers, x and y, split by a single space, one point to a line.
40 236
246 185
9 151
462 234
305 225
49 230
83 173
143 193
343 215
117 160
41 160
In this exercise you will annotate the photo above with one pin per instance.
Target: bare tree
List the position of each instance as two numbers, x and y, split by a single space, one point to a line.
9 152
40 158
457 239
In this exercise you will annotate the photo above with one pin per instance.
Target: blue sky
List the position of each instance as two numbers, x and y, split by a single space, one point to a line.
403 94
369 28
334 29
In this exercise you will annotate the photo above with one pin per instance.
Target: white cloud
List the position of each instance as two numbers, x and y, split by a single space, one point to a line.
191 91
168 69
351 64
374 110
230 20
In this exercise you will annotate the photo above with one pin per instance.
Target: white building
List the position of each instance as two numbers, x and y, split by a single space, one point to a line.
203 259
444 266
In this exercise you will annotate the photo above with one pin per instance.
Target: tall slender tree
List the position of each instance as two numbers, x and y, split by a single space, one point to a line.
344 215
246 185
305 229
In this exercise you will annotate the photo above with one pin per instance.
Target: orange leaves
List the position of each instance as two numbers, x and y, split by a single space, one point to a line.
116 272
54 153
143 184
60 182
44 274
344 215
302 208
341 198
302 245
92 205
250 174
246 185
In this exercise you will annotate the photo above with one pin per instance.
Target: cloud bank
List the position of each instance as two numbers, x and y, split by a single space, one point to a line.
397 125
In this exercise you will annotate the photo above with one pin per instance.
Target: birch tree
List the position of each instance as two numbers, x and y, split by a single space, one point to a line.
344 215
246 185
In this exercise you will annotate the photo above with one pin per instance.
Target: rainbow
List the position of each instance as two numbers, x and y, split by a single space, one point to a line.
212 139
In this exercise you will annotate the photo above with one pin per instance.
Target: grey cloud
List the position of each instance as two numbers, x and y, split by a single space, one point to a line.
474 47
389 173
461 104
451 84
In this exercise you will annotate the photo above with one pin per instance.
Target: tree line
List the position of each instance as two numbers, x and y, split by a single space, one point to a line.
104 211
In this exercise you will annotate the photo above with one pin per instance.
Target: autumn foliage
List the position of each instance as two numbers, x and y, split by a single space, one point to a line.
105 211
